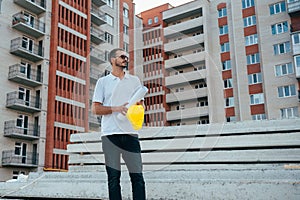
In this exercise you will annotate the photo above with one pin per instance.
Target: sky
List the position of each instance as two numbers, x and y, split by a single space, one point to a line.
142 5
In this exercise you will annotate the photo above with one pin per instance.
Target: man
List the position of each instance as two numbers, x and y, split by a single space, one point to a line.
112 94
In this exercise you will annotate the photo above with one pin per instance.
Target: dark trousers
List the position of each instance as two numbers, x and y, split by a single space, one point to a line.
129 147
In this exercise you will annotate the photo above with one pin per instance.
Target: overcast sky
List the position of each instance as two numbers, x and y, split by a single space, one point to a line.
142 5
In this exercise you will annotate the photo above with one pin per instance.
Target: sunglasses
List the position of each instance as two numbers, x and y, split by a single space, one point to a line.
123 57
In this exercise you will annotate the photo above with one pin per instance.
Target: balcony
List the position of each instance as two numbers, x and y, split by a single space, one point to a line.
94 120
185 60
95 74
27 25
185 44
10 159
185 27
29 77
293 7
29 132
99 2
97 56
98 17
188 113
187 95
26 49
31 104
186 77
35 6
97 36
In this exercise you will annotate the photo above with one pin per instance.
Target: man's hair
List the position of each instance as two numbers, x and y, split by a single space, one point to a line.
113 52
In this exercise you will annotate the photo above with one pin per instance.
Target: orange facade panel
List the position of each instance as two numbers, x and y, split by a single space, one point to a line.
252 49
221 5
224 38
248 12
254 68
229 112
250 30
228 92
225 56
257 109
226 74
222 21
255 88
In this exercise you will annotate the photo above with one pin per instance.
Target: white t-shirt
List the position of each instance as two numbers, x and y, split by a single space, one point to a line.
111 91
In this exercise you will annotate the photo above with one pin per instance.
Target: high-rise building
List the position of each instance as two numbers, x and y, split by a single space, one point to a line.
153 66
52 54
224 61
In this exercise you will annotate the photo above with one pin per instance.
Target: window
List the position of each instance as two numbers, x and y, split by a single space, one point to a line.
279 28
110 3
257 99
251 39
254 78
225 47
125 12
200 85
18 148
125 27
223 30
282 48
229 102
222 12
228 83
277 8
226 65
284 69
126 47
155 19
109 20
287 91
180 107
179 89
231 119
296 38
297 62
149 21
108 38
202 103
247 3
289 112
252 59
250 21
259 117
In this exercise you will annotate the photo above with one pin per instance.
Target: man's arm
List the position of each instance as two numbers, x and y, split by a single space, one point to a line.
99 109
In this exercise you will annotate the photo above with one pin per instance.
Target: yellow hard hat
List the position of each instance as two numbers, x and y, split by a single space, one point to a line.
135 115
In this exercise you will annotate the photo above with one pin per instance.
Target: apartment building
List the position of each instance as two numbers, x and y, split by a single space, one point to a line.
153 66
52 55
25 61
227 61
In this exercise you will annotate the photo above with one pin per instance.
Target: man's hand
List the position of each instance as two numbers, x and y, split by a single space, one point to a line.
121 109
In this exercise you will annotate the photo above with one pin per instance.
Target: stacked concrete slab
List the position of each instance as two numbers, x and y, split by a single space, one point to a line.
248 160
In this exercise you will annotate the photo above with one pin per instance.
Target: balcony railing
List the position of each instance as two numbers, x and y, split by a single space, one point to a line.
97 56
25 24
30 132
97 36
9 158
31 78
94 120
35 6
294 6
33 104
98 17
95 74
26 49
99 2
